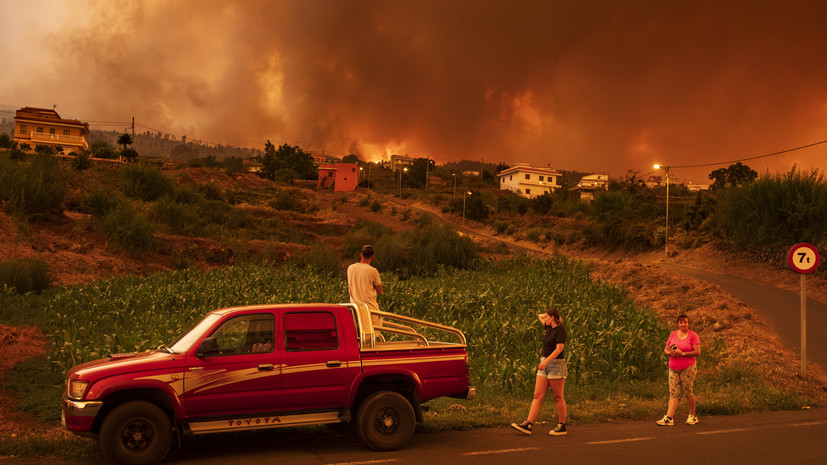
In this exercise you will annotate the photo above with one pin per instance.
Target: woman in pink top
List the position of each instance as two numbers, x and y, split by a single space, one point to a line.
682 347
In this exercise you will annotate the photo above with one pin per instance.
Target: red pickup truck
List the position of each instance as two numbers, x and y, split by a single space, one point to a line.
268 366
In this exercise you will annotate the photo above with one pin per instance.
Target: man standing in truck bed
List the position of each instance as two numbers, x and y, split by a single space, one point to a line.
363 282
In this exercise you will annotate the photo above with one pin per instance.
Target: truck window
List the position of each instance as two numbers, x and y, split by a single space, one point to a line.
246 334
310 331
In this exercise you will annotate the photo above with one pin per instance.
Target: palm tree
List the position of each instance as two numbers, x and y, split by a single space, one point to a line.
124 140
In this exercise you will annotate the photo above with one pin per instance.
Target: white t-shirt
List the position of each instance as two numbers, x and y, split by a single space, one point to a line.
362 280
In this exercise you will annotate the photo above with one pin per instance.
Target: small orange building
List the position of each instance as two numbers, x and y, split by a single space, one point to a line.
344 177
42 126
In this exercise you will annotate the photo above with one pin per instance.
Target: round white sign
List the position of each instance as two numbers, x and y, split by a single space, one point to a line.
803 258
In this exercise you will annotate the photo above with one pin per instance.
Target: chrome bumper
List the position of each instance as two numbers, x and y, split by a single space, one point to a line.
75 408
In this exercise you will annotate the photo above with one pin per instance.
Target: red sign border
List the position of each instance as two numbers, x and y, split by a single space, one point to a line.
799 246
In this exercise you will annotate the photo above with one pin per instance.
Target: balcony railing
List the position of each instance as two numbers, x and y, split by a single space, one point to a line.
58 139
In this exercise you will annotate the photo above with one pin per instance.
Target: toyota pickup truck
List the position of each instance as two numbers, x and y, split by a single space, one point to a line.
269 366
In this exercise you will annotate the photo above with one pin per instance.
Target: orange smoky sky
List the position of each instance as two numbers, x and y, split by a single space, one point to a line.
593 86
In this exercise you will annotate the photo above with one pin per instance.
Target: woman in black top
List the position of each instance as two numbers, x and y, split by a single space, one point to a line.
551 373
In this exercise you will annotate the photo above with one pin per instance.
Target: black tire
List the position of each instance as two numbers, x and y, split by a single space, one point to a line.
386 421
136 433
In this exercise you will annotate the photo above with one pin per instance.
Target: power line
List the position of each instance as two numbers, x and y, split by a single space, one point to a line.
751 158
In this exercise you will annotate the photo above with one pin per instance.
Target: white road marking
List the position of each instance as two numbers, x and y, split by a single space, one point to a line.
501 451
619 440
366 462
810 423
722 431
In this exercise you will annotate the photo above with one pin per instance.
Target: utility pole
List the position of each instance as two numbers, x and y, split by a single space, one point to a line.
133 132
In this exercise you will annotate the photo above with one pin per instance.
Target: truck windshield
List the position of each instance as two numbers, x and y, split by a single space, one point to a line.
183 343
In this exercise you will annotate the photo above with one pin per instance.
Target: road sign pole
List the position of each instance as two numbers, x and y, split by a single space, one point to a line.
803 325
803 258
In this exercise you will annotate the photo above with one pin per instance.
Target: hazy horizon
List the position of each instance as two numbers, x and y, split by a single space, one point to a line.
587 86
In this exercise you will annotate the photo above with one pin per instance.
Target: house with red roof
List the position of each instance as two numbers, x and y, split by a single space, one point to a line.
43 126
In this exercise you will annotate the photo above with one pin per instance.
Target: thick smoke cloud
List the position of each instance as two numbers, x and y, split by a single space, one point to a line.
594 86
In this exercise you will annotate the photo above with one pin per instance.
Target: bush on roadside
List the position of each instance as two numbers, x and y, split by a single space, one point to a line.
775 211
129 229
25 275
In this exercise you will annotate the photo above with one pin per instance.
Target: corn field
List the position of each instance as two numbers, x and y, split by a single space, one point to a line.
495 305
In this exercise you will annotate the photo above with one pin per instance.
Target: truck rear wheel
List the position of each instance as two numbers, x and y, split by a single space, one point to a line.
136 433
386 421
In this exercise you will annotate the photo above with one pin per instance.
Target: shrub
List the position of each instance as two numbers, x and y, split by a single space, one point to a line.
534 234
129 229
211 192
285 200
322 259
622 219
33 189
775 211
375 206
25 275
82 161
423 250
178 217
100 202
145 182
364 232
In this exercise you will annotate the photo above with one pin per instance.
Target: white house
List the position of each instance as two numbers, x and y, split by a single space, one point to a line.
590 184
529 181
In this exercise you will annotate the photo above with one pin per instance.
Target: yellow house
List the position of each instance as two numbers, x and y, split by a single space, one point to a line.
41 126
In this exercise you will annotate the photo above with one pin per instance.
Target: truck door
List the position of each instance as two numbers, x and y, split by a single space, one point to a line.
241 375
314 362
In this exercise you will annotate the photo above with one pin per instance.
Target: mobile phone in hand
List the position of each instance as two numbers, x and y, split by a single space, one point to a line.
673 347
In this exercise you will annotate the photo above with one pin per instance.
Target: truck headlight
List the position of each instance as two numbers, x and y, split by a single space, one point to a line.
75 389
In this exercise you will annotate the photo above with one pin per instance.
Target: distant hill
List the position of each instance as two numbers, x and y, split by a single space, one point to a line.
159 145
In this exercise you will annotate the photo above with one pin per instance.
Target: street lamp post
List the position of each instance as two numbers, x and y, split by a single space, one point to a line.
400 180
666 235
464 195
455 184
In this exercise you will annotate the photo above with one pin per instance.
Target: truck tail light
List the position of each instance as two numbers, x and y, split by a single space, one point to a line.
76 389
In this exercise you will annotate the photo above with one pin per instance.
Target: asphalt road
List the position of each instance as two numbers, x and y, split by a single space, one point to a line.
795 437
781 308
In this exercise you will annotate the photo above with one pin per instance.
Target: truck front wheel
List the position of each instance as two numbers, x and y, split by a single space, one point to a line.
136 433
386 420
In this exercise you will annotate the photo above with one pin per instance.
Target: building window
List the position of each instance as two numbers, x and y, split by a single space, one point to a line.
541 179
40 130
527 176
65 132
511 178
528 192
51 130
23 129
353 170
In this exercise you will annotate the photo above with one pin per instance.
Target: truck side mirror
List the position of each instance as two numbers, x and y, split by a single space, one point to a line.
208 347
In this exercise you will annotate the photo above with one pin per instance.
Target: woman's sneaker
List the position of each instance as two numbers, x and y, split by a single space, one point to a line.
666 421
559 430
524 427
692 420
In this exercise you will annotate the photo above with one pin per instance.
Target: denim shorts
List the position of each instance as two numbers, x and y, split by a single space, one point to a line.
556 369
